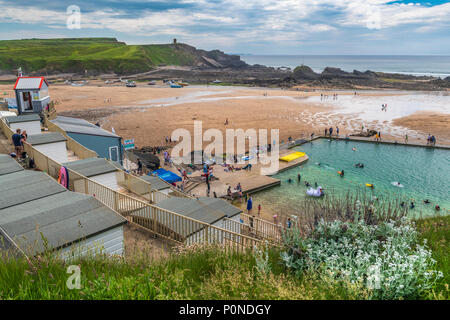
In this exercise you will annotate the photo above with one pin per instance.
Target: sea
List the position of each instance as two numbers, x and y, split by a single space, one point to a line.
431 65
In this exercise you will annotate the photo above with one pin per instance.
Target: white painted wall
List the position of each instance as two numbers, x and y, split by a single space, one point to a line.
110 242
55 150
32 127
108 179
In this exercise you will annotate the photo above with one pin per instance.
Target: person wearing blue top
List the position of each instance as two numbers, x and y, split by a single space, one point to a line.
249 204
17 142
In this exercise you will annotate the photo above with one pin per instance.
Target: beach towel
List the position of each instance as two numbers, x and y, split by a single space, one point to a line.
63 178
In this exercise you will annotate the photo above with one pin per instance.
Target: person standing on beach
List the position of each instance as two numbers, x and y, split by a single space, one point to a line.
259 210
249 205
326 132
139 166
337 131
331 131
406 138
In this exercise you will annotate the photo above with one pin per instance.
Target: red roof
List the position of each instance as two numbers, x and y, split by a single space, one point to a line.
29 83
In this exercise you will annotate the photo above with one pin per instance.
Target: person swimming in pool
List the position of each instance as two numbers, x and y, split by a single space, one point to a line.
359 165
426 201
315 184
353 149
412 205
299 177
341 173
307 184
290 180
403 204
437 208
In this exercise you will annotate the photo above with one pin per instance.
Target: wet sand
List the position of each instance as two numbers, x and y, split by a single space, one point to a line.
149 114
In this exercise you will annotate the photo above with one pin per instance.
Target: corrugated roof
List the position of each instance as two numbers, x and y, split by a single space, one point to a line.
91 166
23 83
7 248
24 186
44 138
24 118
62 219
8 165
221 205
81 126
191 208
157 183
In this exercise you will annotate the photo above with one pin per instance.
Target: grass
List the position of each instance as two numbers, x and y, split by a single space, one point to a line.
92 54
207 272
437 232
196 273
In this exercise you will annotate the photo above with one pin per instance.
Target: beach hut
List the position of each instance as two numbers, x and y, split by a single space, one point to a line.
97 169
212 211
51 144
107 144
157 184
38 214
31 94
30 122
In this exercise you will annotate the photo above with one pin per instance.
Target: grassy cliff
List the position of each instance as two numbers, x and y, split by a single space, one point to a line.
96 55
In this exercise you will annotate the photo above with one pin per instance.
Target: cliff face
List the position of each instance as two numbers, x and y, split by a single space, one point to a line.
105 55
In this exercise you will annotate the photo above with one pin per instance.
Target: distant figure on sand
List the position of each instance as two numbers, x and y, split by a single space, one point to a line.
249 204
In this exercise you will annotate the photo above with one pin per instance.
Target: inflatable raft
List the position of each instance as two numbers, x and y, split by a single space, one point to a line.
315 192
293 156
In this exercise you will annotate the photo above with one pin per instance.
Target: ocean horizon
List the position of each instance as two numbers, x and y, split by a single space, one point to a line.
420 65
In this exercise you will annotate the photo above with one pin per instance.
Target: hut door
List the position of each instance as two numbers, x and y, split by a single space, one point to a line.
114 153
27 106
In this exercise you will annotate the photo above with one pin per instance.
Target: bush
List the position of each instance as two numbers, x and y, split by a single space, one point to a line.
385 258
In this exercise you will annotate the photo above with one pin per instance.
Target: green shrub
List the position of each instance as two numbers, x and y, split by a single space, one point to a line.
385 258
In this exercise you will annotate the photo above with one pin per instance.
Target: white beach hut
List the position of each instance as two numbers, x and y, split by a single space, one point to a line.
51 144
30 122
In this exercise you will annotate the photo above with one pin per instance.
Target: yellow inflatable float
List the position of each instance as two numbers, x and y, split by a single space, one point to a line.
293 156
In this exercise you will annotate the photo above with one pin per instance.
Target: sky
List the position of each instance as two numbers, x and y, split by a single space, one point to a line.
325 27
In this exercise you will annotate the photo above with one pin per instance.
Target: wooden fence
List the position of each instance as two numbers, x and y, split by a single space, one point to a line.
164 223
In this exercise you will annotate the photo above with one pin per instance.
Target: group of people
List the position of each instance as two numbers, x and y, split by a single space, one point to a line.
18 140
412 205
330 131
325 96
431 140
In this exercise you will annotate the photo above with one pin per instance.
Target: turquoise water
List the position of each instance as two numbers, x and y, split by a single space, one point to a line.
424 173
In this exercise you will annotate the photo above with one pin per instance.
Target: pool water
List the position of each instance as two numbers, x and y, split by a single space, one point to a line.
423 173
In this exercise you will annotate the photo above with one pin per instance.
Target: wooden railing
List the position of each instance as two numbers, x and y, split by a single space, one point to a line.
263 228
78 149
164 223
6 130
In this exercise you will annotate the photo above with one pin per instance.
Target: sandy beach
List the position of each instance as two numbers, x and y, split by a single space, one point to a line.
150 113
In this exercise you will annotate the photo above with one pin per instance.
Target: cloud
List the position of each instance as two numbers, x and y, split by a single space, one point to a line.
230 22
